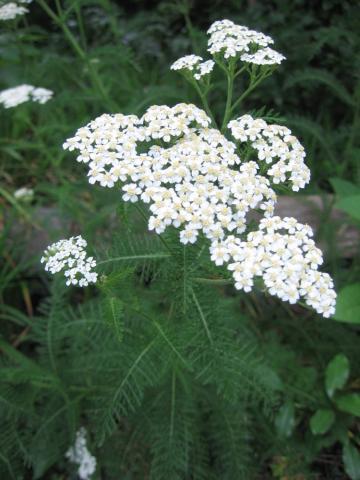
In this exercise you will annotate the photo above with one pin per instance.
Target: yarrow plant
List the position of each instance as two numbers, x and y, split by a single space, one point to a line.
80 455
12 97
218 186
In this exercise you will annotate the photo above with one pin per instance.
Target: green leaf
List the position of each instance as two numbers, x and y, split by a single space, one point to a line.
285 420
351 459
322 77
343 188
114 315
336 374
350 205
348 304
349 403
321 421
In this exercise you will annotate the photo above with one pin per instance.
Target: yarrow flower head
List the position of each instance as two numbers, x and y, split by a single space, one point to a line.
276 146
195 65
264 56
70 257
80 455
12 97
230 40
284 255
11 10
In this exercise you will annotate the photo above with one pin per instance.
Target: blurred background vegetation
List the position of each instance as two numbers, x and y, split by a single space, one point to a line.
119 62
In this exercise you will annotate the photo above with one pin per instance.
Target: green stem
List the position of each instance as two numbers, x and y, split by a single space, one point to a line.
81 25
202 317
204 102
58 19
230 87
252 86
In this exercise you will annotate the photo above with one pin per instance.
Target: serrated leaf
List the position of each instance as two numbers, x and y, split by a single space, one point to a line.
349 403
348 304
351 459
350 205
285 420
321 421
336 374
114 315
343 188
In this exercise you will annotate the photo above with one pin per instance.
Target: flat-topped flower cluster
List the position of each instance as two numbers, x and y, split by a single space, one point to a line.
193 178
70 257
230 41
194 64
11 10
12 97
276 146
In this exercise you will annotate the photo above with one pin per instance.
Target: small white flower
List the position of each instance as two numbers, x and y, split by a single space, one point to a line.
70 257
24 194
80 455
12 97
11 10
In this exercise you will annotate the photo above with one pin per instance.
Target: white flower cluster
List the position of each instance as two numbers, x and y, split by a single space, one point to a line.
24 194
264 56
195 65
231 40
12 97
11 10
276 146
193 179
284 255
80 455
191 183
70 256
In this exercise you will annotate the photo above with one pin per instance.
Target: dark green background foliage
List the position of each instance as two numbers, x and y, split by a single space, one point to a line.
173 377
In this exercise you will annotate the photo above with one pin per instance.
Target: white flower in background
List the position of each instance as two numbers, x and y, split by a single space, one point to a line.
195 65
12 97
276 146
11 10
41 95
24 194
80 455
70 257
